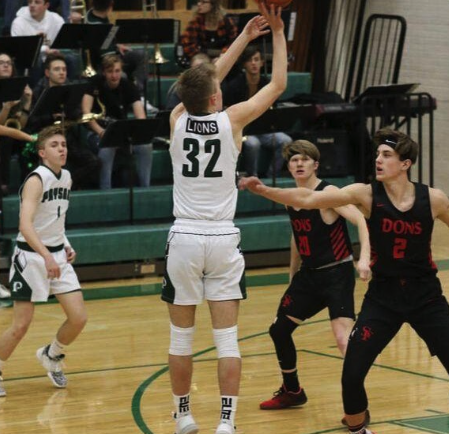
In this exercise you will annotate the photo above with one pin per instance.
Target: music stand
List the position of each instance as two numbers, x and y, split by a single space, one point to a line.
126 133
84 37
386 89
274 120
65 99
23 49
11 89
149 31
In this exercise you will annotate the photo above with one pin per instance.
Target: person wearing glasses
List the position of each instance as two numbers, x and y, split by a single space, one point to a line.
11 110
210 31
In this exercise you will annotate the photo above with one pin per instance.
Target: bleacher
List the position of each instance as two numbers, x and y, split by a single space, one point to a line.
98 222
101 233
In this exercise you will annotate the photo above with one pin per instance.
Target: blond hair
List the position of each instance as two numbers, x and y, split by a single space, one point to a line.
196 86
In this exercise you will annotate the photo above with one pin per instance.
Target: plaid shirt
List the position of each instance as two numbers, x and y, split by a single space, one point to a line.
195 38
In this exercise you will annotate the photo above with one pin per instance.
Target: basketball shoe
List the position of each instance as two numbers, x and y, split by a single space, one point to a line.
365 422
185 424
2 389
225 428
282 398
54 367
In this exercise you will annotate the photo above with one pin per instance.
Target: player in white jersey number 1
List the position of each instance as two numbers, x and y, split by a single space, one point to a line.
203 259
41 263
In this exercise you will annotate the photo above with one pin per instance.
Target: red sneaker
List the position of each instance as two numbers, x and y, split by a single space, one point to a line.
282 398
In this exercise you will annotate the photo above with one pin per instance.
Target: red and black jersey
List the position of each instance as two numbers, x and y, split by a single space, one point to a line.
318 243
400 241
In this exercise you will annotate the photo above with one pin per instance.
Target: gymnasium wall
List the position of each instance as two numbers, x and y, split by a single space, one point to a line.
426 60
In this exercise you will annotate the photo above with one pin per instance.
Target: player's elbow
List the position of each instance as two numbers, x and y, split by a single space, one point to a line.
279 86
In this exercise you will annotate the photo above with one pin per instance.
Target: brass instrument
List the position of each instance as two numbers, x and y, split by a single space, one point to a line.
85 118
158 58
13 122
80 7
14 118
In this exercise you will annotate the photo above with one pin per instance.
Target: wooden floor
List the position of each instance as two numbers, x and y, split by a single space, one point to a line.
118 379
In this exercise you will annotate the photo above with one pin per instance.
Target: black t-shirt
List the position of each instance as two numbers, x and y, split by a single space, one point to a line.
400 241
319 243
118 102
237 90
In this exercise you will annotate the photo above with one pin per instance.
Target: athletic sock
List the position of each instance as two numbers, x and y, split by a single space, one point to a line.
358 429
56 349
182 404
228 409
291 381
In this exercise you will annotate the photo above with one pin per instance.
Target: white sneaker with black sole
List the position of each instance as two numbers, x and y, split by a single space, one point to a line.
225 428
54 367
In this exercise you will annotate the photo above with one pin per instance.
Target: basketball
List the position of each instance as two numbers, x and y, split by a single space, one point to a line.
277 3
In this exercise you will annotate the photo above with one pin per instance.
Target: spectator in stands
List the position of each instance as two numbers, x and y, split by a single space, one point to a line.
36 19
132 60
16 111
83 164
172 95
12 6
241 88
118 96
210 31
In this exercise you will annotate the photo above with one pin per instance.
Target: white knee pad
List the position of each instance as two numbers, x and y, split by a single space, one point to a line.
226 342
181 340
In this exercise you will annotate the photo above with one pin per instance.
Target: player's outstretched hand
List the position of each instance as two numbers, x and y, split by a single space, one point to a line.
252 183
272 15
256 27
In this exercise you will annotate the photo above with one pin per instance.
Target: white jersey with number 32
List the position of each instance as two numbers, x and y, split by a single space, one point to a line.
204 157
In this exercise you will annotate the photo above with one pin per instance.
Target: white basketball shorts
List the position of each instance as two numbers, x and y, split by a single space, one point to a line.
28 276
203 261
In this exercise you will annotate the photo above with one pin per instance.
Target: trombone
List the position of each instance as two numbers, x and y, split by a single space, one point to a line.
80 7
158 57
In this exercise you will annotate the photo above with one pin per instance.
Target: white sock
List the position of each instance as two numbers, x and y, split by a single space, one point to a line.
182 404
228 409
56 349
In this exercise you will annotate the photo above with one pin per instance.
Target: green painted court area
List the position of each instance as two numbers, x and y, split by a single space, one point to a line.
438 424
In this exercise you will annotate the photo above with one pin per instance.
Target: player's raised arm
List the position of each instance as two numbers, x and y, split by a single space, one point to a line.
245 112
256 27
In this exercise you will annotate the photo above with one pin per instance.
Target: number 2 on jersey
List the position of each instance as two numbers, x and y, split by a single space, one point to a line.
400 244
192 147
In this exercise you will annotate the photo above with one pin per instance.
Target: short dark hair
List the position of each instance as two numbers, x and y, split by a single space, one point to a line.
250 52
403 145
300 147
52 57
195 86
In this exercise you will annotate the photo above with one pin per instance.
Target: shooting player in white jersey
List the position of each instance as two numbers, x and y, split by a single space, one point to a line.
203 259
41 263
